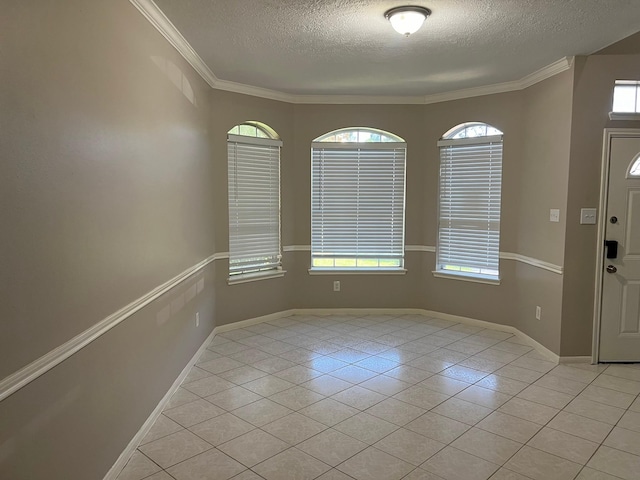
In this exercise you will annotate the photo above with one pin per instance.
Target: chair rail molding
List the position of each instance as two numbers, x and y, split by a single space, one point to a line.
42 365
534 262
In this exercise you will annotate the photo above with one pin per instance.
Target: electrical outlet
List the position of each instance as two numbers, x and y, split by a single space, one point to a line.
336 286
197 319
538 312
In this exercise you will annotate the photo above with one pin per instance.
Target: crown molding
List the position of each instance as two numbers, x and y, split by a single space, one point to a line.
168 30
159 20
357 99
538 76
549 71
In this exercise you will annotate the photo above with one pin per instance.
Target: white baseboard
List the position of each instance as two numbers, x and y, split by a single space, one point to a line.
124 457
583 359
252 321
469 321
356 311
541 349
544 351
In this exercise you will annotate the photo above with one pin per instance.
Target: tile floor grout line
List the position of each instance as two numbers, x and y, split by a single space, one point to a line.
369 343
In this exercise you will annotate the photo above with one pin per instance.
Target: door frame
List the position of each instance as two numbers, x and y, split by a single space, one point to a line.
609 135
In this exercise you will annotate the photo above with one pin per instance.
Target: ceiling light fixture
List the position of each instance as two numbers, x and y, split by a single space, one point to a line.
407 20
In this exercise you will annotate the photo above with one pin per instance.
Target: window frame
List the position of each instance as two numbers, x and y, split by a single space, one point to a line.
270 140
625 114
451 139
359 151
633 171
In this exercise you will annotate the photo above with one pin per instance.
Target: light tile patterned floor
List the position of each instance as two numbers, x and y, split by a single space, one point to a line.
388 398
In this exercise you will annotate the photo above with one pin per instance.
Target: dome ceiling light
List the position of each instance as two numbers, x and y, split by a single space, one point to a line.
407 20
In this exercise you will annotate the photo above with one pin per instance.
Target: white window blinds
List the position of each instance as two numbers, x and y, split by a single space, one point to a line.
357 205
469 217
254 204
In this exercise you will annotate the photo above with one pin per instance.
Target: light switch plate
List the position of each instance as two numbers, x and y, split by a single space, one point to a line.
588 216
554 215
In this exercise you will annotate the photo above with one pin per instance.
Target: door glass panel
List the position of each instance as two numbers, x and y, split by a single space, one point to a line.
632 246
634 171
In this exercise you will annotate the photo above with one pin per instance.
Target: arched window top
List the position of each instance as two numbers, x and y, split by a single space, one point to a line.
471 130
634 169
255 130
359 135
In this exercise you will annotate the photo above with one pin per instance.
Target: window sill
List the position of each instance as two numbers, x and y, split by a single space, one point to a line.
624 116
254 277
359 271
467 277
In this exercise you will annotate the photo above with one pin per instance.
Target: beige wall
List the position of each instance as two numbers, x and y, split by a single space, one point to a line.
544 168
535 123
592 100
74 421
543 172
249 300
105 193
626 46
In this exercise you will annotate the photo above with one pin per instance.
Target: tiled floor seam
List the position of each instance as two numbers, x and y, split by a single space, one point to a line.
355 326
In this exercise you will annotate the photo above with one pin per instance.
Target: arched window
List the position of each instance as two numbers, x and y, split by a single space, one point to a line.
469 201
254 201
359 135
254 129
471 130
357 200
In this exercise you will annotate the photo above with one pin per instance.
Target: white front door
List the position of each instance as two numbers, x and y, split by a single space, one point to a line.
620 316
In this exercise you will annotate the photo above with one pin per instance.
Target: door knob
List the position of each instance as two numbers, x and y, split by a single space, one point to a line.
611 269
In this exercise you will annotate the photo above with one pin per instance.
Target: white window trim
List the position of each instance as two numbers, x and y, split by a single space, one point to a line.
351 146
470 141
624 116
467 277
458 275
277 271
254 140
360 145
356 271
254 277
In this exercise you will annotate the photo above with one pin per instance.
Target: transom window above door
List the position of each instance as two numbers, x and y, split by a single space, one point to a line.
357 201
626 96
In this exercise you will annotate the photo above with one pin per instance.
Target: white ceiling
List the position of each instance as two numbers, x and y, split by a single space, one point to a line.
347 47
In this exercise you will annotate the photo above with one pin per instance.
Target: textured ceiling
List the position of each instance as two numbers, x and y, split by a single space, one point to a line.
334 47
